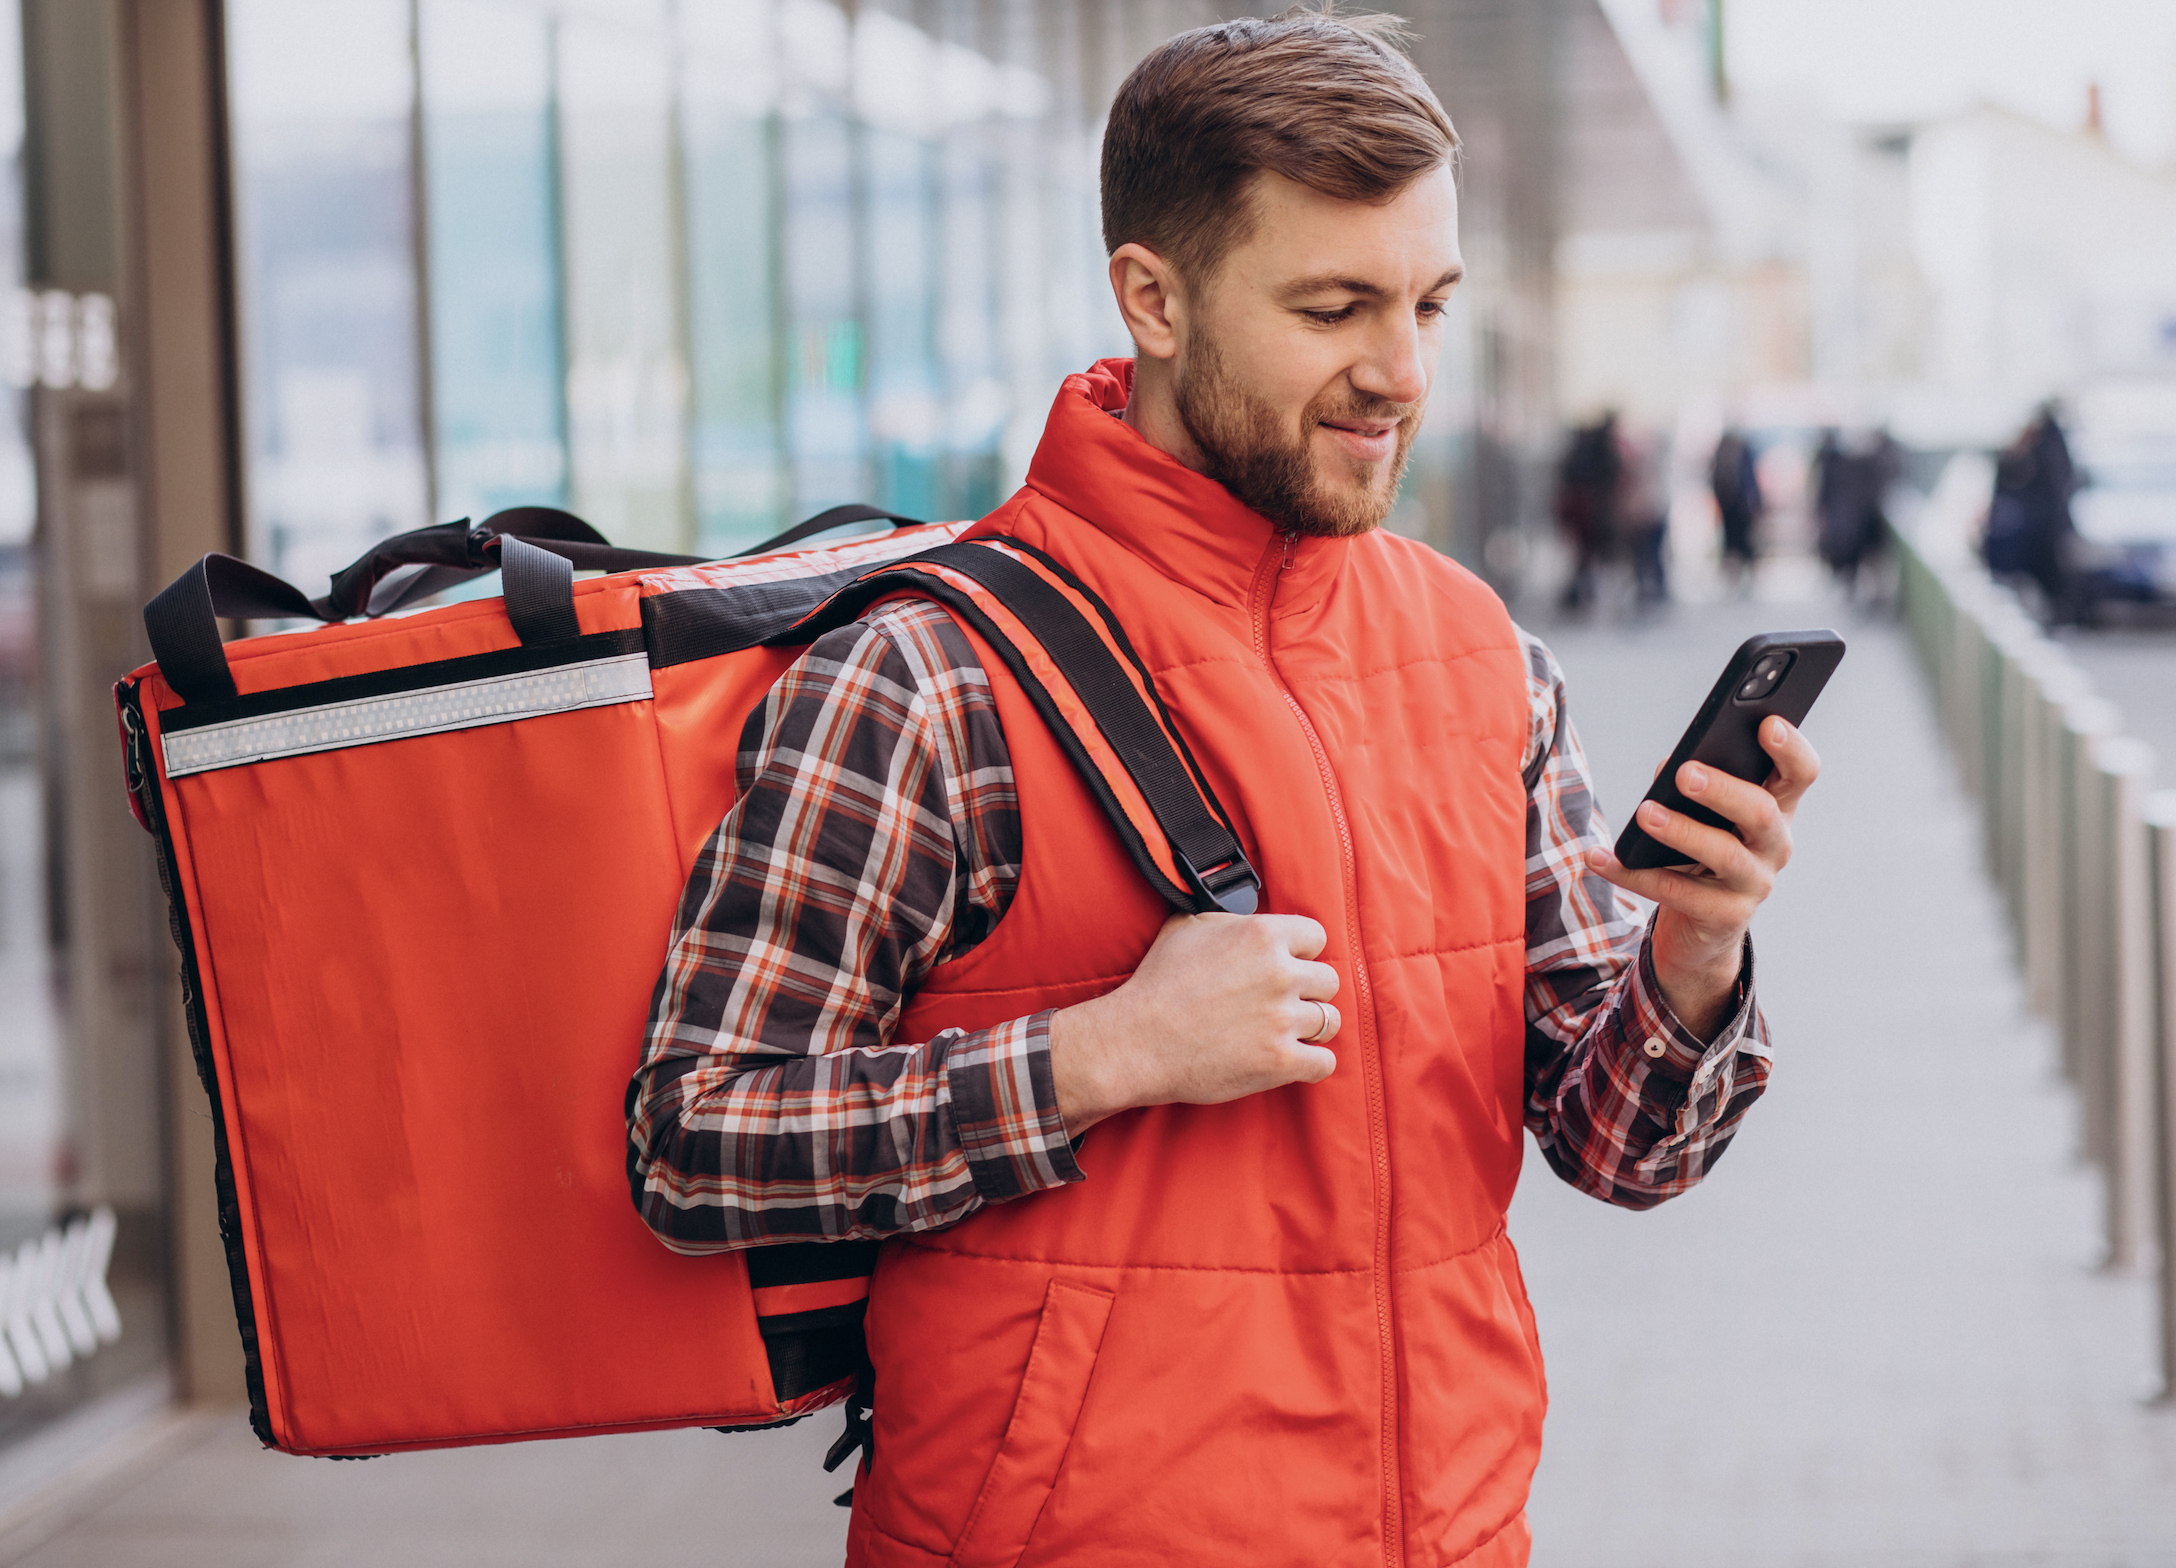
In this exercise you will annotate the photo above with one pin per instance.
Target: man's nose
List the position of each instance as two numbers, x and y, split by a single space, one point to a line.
1395 365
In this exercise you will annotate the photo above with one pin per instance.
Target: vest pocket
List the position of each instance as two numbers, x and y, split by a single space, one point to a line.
1052 1390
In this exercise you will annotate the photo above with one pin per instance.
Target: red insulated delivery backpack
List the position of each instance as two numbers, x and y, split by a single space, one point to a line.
422 866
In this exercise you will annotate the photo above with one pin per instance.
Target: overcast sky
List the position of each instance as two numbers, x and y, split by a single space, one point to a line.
1903 59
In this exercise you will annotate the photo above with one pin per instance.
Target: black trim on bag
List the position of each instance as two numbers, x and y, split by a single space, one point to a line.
817 1348
810 1262
846 1314
705 623
813 1350
407 678
145 785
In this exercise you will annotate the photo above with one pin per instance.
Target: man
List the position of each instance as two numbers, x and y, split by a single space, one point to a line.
1734 481
1264 1311
1586 492
2029 527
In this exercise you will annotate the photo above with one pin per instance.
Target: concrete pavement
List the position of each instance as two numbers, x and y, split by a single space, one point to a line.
200 1493
1876 1337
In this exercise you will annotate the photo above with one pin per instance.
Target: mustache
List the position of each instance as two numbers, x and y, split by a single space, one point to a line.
1369 410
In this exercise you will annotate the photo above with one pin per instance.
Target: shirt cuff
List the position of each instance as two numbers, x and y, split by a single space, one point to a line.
1005 1108
1659 1035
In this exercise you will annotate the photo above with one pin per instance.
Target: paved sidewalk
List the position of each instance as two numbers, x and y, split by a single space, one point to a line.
1876 1335
1876 1338
204 1495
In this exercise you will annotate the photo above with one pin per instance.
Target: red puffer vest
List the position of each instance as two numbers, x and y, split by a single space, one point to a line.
1290 1329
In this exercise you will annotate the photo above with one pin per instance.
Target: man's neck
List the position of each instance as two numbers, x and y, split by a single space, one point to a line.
1153 411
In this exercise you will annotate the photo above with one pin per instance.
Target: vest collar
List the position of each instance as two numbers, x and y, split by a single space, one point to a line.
1185 524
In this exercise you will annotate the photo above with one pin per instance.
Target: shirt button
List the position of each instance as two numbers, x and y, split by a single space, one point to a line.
1655 1045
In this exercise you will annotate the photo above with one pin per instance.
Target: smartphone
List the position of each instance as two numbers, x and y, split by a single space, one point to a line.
1776 672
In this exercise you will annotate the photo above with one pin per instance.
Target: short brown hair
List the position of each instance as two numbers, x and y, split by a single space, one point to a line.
1326 101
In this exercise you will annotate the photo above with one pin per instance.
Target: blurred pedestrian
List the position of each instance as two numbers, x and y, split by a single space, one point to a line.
1735 482
1585 501
1851 482
1642 512
2029 528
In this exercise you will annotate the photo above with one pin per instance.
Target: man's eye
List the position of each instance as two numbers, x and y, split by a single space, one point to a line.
1328 318
1431 309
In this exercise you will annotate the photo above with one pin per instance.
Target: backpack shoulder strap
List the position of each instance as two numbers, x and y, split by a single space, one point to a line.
1066 649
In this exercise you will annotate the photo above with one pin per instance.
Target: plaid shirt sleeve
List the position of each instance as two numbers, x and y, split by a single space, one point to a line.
876 834
1626 1102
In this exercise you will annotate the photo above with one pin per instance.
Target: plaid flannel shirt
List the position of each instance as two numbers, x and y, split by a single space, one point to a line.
877 834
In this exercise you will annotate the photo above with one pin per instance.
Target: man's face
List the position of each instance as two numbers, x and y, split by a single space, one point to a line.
1304 365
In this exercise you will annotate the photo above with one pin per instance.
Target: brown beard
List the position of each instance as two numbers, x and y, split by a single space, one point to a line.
1251 454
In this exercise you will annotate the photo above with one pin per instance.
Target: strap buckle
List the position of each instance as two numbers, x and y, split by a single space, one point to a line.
1233 886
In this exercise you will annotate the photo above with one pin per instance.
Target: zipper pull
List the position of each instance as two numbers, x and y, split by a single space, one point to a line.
1288 539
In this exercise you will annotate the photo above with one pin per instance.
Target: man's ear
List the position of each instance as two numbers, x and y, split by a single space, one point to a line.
1149 300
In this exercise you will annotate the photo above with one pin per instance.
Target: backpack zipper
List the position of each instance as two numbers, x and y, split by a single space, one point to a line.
1264 593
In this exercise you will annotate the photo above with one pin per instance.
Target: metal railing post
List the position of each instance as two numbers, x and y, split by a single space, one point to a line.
2125 768
2159 816
2054 682
1964 708
2022 654
2160 823
2085 947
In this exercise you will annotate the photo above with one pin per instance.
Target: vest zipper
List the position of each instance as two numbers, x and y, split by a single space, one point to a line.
1266 578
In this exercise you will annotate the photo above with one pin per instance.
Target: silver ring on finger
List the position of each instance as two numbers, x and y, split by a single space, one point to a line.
1322 1027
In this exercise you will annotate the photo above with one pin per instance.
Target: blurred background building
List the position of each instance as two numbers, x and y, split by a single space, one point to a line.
282 277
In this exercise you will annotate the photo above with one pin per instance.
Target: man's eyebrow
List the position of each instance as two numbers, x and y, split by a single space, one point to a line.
1334 283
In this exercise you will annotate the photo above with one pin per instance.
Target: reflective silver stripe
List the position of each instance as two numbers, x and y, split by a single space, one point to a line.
364 721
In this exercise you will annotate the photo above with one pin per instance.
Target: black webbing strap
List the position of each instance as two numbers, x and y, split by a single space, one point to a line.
183 621
1124 644
454 553
1203 845
539 588
824 522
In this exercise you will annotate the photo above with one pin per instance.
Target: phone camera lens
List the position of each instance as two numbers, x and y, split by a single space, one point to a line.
1762 678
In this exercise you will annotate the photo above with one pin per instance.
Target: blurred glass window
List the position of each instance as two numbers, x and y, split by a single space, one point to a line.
689 270
86 1304
826 431
627 378
323 111
895 88
729 93
498 375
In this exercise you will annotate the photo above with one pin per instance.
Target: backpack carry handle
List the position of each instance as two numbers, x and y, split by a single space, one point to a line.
539 548
824 522
454 553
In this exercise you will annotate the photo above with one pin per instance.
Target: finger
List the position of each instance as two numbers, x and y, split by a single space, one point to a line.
1303 938
1317 1023
1310 1022
1703 900
1759 816
1797 763
1721 851
1312 1063
1314 982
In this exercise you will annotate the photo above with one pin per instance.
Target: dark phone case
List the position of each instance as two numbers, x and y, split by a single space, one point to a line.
1726 733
